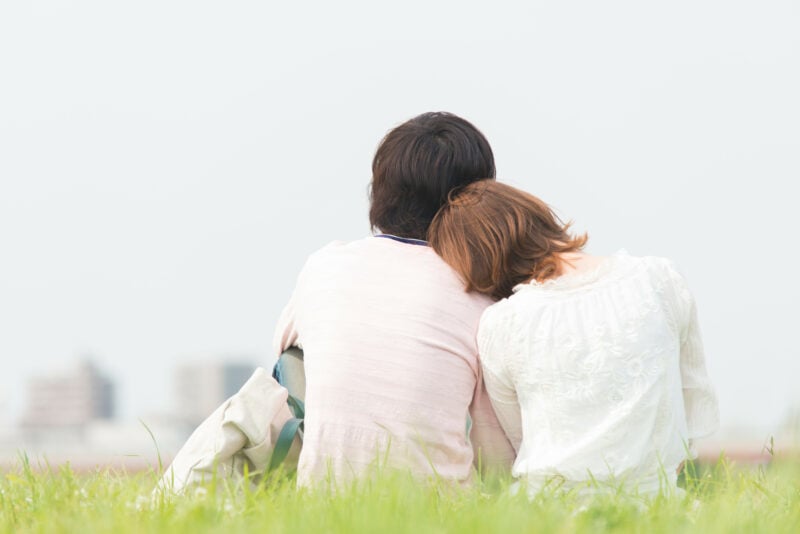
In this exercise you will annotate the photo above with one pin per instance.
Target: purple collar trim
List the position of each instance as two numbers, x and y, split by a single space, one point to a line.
407 240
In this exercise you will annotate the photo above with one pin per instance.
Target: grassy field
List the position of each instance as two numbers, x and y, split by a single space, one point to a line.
718 499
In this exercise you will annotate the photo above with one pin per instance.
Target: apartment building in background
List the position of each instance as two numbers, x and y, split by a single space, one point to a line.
201 387
70 399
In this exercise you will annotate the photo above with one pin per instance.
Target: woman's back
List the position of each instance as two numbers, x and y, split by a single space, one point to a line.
599 375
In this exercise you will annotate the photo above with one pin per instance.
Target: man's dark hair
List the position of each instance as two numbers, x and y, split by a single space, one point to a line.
418 164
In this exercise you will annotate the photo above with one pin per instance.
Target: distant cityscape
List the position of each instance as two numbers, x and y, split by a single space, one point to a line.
71 416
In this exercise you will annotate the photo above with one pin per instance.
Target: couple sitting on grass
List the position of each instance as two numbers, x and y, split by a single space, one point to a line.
473 331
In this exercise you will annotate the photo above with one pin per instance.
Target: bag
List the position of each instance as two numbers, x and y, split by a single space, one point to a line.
256 430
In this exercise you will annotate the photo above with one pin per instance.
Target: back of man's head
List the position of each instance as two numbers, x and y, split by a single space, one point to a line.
418 164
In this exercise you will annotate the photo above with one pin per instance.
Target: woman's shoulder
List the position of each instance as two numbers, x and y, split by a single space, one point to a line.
617 272
497 319
497 311
625 264
622 260
496 323
662 268
659 269
669 283
656 263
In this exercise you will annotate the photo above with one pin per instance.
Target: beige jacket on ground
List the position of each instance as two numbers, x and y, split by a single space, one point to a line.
242 432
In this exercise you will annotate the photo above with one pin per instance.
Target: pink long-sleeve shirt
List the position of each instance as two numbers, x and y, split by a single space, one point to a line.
392 371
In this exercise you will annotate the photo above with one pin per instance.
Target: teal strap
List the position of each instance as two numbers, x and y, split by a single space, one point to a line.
297 406
288 432
284 443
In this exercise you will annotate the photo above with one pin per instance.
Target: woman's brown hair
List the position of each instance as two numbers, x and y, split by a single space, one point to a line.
496 236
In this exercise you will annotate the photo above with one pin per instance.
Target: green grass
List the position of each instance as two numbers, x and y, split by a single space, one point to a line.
720 499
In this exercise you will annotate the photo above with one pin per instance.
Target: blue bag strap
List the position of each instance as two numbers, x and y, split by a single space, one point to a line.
297 406
284 442
290 429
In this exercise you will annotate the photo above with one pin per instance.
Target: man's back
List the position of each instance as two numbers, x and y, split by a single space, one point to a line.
391 362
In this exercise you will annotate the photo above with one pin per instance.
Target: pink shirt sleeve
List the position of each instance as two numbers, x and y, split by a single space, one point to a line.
286 334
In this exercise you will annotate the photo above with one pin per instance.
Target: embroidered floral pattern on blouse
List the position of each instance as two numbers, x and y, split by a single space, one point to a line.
599 373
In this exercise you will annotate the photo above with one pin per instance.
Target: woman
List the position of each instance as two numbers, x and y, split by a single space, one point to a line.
594 365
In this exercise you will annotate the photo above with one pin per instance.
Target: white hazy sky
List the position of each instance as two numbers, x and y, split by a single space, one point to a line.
166 166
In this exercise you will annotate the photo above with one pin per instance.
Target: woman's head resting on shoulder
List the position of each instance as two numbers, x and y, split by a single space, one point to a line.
496 236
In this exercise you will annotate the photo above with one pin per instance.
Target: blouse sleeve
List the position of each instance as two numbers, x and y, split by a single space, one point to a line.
492 448
494 345
699 398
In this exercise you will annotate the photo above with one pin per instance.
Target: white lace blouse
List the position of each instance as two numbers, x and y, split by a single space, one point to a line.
599 376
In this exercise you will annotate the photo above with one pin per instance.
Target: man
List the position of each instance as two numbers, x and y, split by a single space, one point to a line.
388 333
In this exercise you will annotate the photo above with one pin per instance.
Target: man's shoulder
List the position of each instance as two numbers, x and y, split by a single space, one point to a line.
372 247
337 248
329 248
387 262
363 255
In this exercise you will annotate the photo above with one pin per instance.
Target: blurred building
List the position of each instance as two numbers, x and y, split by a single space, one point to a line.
72 399
202 387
